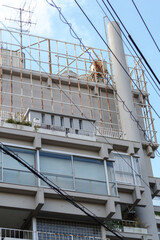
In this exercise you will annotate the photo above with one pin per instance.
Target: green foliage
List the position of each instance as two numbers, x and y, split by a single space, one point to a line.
157 213
114 224
25 123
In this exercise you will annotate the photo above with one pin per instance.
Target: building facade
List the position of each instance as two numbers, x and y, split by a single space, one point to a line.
82 119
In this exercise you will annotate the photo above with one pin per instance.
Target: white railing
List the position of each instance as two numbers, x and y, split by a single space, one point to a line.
15 234
108 132
60 236
4 115
6 234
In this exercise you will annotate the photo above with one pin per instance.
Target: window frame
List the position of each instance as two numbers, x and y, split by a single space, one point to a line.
132 168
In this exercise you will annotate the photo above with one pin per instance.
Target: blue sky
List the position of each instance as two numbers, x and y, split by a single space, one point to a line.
50 25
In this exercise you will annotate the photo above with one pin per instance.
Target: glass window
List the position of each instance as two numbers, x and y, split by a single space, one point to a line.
137 171
71 122
52 120
127 169
43 118
14 172
111 178
58 168
90 175
61 121
80 124
123 168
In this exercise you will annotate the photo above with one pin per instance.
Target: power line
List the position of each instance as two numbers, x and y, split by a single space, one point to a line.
117 61
133 118
119 155
133 42
130 46
94 124
145 25
63 194
112 87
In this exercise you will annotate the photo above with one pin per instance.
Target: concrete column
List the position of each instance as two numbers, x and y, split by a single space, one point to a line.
146 215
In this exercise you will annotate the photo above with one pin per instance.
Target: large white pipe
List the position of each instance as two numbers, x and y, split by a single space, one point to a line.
122 80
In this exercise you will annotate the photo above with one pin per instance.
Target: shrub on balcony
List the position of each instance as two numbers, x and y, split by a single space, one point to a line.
25 123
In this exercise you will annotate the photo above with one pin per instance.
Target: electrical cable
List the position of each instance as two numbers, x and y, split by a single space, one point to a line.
84 115
146 137
130 46
58 190
114 55
133 42
87 118
145 25
85 212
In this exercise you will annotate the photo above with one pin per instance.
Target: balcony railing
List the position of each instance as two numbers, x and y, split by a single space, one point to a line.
108 132
15 234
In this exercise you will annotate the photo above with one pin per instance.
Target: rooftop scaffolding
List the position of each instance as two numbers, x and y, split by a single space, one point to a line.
65 78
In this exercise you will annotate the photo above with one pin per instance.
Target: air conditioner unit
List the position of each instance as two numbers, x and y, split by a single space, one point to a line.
36 122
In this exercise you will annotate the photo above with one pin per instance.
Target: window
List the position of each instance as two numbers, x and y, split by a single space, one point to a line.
77 173
111 179
52 120
80 124
90 175
127 169
58 168
43 118
57 229
14 172
61 121
71 122
70 172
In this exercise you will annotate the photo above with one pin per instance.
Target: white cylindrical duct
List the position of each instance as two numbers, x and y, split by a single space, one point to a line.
122 80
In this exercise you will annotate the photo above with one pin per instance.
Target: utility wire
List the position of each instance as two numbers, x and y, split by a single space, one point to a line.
130 46
63 194
79 109
76 105
145 25
117 61
86 117
133 42
58 191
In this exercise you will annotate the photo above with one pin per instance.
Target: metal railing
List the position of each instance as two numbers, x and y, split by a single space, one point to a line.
13 234
6 234
108 132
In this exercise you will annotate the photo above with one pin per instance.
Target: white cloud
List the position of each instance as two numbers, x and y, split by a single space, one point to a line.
45 16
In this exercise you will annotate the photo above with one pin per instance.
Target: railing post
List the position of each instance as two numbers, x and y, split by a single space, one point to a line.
34 229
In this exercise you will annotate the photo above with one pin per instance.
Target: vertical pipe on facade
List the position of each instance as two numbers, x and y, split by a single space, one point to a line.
21 77
145 214
88 88
79 88
50 73
60 85
69 80
39 54
30 54
108 102
11 73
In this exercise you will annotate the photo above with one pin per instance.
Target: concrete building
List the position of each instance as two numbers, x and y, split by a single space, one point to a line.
61 110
